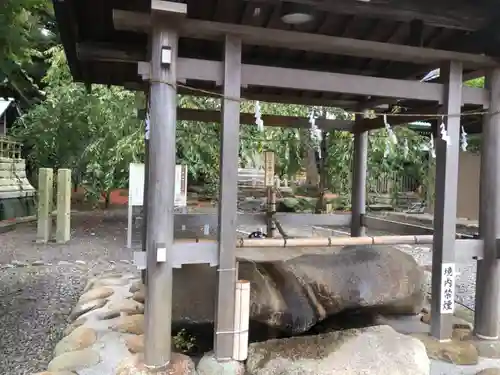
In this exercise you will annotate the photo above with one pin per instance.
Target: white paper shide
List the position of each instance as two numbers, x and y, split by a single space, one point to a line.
448 288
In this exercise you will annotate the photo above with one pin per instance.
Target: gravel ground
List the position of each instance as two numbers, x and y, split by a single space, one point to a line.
39 284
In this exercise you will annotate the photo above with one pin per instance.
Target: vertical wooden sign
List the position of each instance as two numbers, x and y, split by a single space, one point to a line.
269 168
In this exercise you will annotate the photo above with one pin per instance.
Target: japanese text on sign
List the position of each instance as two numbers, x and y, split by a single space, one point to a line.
447 288
269 168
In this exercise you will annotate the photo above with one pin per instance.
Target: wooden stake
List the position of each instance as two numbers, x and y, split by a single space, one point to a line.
63 228
45 196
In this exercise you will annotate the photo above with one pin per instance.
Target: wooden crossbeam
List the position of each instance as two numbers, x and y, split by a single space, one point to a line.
259 36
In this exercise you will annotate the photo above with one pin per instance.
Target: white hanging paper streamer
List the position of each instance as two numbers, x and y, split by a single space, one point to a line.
444 133
146 127
258 117
463 139
331 116
315 132
406 149
432 150
390 132
387 150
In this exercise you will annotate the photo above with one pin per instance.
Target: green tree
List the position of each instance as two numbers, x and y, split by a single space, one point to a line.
96 134
26 31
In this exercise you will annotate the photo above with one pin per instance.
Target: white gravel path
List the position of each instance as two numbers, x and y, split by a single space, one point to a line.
39 284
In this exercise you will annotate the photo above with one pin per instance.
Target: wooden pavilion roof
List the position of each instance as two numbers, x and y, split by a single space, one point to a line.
468 26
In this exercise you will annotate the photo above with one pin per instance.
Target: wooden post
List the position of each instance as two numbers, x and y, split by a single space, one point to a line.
358 197
63 228
160 211
445 209
488 269
228 199
45 196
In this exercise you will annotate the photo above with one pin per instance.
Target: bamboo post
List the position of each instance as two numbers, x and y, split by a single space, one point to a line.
45 195
63 219
271 209
271 195
335 241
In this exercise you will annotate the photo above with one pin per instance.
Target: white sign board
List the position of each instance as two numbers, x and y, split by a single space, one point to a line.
136 185
136 191
447 288
269 169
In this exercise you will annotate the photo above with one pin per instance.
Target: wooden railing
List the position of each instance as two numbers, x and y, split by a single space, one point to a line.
9 148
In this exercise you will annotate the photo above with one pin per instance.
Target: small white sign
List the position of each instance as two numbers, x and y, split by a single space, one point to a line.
447 288
136 185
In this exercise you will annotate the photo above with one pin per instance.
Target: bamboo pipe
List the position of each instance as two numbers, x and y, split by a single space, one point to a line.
335 241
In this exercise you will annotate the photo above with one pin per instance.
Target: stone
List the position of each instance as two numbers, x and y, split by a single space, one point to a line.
130 324
139 296
377 350
292 296
38 263
453 351
97 293
487 348
74 361
89 285
489 371
462 332
77 323
135 343
180 364
110 314
82 308
18 263
110 280
136 286
55 373
80 338
130 307
209 365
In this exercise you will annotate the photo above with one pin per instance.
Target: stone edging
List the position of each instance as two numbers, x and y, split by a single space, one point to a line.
106 335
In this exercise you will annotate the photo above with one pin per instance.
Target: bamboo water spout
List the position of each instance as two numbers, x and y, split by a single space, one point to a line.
335 241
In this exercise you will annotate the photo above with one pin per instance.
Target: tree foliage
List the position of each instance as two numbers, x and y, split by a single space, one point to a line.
96 133
26 30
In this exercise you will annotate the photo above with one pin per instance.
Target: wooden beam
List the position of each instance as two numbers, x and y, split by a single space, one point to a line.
201 115
258 36
265 76
107 52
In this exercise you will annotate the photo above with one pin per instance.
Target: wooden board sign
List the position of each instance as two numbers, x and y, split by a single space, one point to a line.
269 168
